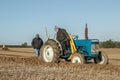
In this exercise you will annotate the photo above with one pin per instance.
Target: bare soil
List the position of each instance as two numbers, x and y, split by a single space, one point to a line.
21 64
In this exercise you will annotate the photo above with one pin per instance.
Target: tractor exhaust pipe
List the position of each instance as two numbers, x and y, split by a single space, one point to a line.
86 32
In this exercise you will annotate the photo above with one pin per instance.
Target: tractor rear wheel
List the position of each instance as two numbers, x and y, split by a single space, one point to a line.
102 59
77 58
50 51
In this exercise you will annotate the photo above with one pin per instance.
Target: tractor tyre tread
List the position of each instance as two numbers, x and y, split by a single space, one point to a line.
56 51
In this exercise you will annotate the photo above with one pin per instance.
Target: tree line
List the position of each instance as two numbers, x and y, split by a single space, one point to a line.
105 44
110 44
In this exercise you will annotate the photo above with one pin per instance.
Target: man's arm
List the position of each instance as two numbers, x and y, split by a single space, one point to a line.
32 43
41 42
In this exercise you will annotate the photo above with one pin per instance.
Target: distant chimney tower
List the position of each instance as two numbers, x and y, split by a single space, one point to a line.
86 32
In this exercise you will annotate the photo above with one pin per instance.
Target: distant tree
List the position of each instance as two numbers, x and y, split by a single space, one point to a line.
117 44
24 44
108 44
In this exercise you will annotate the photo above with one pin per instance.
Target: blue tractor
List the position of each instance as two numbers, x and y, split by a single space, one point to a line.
80 51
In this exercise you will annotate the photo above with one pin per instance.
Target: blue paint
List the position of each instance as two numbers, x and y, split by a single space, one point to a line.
84 47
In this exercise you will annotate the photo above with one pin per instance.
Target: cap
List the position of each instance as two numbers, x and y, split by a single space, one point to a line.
56 27
37 34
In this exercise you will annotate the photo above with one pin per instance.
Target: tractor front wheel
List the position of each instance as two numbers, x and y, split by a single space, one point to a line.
102 59
77 58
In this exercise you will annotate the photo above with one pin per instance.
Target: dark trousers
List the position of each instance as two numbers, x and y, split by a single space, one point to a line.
65 45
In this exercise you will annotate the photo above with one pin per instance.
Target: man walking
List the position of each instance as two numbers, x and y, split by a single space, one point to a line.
37 43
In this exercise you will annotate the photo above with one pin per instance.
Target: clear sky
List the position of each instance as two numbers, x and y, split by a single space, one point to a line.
20 20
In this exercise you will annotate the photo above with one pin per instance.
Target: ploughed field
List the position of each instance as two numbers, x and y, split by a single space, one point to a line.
21 64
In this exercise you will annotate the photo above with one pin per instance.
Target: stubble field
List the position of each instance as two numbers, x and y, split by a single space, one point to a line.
21 64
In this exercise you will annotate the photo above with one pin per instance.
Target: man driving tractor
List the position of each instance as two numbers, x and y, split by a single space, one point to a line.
63 38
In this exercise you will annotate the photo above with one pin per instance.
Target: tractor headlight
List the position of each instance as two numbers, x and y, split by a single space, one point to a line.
94 49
